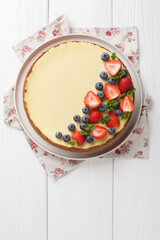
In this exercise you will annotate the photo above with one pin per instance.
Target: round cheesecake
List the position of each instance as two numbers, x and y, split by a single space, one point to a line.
55 88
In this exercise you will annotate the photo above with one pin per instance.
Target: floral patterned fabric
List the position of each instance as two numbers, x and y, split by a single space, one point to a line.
136 146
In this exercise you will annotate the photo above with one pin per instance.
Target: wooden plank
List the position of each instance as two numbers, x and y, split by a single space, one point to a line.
80 205
23 182
136 189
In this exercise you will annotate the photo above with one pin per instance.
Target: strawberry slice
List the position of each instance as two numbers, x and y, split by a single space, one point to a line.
80 139
99 132
113 67
111 91
94 117
126 105
114 121
125 84
91 100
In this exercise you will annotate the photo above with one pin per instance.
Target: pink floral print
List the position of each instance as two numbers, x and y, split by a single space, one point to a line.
58 171
124 148
13 111
45 153
139 154
120 47
129 37
26 49
148 101
44 166
131 59
138 131
42 35
5 99
33 146
55 32
108 33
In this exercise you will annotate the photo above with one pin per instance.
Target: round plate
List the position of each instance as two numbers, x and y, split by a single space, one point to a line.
49 147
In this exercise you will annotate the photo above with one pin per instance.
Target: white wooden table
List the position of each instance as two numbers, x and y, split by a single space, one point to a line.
101 200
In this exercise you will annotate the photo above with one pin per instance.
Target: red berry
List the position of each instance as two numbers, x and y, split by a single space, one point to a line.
94 116
125 84
113 67
91 100
111 91
114 121
99 132
126 105
78 137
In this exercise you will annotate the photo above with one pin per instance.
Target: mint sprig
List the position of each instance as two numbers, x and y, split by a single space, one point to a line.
73 142
110 104
132 90
105 119
88 129
125 116
119 75
113 56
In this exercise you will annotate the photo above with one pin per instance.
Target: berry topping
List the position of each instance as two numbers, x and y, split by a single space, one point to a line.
111 131
112 81
114 120
113 67
111 91
78 137
118 105
58 134
126 105
94 116
103 75
85 110
125 72
82 126
105 56
125 84
99 86
71 127
89 139
118 112
91 100
77 118
85 119
66 138
102 107
99 132
100 94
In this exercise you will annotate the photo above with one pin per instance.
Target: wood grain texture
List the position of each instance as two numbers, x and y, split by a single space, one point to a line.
23 202
136 182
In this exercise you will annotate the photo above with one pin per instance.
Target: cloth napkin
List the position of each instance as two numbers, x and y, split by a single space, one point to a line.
126 39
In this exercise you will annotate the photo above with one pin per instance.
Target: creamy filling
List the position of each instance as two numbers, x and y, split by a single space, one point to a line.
57 85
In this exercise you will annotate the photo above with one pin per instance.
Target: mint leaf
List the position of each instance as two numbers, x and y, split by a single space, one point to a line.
104 119
122 95
132 90
88 129
125 116
83 132
108 109
119 75
110 104
73 142
113 56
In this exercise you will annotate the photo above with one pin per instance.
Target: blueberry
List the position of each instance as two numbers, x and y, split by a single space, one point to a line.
71 127
100 94
103 75
77 118
99 86
118 105
85 119
118 112
125 71
58 134
82 126
102 107
89 139
85 110
111 131
105 56
112 81
66 138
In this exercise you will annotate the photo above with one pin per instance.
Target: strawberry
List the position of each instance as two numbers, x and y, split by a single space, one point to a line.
94 116
126 105
78 137
113 67
114 121
91 100
99 132
125 84
111 91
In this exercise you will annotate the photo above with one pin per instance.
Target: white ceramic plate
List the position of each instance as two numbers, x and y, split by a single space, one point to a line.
49 147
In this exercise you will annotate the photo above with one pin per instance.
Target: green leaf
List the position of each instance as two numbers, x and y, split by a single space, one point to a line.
119 75
73 142
122 95
132 90
108 109
113 56
125 116
114 103
110 104
104 119
88 129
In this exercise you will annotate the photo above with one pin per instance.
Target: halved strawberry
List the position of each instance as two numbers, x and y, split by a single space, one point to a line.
114 121
91 100
78 137
126 105
94 116
125 84
113 67
111 91
99 132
